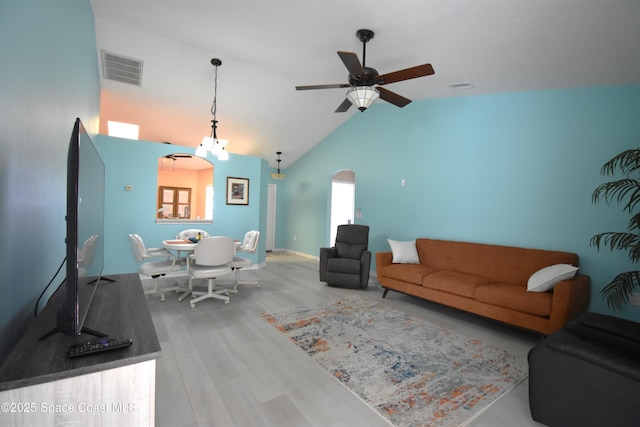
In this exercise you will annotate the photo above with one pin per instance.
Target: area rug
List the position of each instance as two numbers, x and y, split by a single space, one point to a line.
412 372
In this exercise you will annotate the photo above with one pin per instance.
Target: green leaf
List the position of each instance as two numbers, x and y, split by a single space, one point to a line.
616 293
628 162
617 190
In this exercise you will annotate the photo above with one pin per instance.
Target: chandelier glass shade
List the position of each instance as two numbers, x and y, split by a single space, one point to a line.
362 96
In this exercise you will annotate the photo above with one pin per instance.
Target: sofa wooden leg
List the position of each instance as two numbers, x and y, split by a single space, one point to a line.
384 294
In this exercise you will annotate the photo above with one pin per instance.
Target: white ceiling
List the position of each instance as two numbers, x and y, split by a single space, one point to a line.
269 47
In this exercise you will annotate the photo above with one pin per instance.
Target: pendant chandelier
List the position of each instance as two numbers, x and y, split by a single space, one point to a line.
278 176
212 143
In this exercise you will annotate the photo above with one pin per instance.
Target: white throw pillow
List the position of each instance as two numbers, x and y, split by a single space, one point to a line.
546 278
404 252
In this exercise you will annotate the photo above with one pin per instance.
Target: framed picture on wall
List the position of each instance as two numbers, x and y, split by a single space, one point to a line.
237 191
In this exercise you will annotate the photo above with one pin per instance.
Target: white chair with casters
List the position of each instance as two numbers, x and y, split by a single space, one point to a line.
154 269
249 245
192 232
212 258
86 255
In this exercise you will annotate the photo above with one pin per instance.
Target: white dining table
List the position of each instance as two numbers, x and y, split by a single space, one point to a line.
180 246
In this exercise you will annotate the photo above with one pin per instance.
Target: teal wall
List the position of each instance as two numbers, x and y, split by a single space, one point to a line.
135 164
514 169
48 77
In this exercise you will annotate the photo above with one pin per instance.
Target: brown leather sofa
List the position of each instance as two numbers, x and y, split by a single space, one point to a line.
488 280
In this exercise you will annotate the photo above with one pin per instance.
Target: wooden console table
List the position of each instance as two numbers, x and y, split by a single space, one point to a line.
40 386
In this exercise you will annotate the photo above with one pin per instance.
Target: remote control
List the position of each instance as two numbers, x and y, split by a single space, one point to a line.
98 346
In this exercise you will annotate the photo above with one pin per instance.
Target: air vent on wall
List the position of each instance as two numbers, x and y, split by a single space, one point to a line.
122 69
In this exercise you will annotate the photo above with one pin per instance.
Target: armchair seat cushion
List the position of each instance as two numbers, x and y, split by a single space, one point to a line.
344 265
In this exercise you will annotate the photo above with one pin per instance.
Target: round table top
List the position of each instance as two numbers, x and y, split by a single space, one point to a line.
179 245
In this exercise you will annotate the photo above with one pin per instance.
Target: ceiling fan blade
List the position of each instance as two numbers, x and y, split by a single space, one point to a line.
346 104
406 74
393 97
330 86
352 63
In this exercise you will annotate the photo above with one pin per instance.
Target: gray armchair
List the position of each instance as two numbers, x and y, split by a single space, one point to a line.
347 263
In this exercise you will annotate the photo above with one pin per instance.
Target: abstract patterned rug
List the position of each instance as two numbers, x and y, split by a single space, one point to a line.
412 372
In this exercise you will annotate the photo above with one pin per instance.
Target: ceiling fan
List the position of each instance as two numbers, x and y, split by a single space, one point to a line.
362 78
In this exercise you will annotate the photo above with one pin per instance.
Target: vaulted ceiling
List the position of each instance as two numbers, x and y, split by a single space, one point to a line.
269 47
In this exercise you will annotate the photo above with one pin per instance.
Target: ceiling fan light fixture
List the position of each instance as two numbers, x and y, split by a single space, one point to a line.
362 96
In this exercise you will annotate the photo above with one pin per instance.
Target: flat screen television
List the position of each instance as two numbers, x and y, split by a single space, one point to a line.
84 235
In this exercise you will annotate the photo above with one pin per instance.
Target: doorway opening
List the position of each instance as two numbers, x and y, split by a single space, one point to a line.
343 201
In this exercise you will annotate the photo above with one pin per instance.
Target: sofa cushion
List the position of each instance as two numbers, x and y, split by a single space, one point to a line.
515 297
547 278
454 282
404 252
410 273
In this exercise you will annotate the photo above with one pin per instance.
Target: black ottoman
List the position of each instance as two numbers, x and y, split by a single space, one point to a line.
587 374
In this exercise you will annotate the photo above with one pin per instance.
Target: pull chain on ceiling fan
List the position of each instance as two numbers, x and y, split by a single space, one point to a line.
362 79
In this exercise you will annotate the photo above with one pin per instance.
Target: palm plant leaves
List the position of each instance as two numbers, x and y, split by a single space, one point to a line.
617 292
623 191
628 161
617 191
621 241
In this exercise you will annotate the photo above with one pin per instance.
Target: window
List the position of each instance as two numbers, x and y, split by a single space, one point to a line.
174 202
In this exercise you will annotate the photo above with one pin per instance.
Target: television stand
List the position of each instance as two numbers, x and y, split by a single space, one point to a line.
102 279
84 330
98 387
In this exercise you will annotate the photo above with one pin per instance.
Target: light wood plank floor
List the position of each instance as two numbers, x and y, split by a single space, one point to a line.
223 365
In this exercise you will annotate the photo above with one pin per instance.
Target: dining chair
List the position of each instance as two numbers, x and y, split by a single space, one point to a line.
212 259
249 245
191 232
154 269
86 255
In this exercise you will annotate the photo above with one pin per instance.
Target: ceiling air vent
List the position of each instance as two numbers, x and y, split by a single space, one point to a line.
122 69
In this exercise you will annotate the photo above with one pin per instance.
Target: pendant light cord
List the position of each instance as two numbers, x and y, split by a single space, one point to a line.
214 106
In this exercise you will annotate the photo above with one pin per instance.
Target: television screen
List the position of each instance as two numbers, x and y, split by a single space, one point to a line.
85 233
88 204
